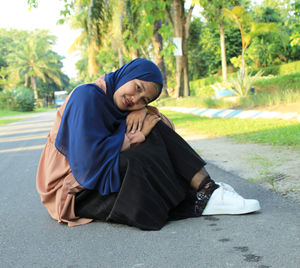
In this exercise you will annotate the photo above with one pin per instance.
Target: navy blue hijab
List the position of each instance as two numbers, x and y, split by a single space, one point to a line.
92 128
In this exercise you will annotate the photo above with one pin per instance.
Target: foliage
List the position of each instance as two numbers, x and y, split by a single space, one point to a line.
288 68
284 69
295 25
24 99
197 63
207 81
242 83
204 91
268 92
27 59
19 99
115 31
7 100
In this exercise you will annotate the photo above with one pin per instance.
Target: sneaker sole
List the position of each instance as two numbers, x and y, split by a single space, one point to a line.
227 211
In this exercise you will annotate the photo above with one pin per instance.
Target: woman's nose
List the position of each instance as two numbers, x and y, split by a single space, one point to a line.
136 98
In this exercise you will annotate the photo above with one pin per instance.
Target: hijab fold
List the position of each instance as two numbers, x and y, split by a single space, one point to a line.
92 128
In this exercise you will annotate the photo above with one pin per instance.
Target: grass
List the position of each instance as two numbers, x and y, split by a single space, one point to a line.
10 120
266 131
19 115
279 83
13 113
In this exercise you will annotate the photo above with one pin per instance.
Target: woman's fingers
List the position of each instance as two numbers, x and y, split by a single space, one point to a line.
153 119
135 119
149 122
134 127
128 125
141 121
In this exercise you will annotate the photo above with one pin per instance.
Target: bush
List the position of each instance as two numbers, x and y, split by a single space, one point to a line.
20 99
203 92
25 99
289 68
7 100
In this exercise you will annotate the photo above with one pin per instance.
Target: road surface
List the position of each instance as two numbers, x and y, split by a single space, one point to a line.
30 238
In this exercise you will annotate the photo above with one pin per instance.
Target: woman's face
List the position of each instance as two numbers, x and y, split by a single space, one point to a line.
134 95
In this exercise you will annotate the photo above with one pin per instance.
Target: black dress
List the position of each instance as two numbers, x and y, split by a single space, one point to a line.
155 188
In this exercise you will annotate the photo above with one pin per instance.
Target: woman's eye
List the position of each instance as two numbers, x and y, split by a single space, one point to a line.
138 88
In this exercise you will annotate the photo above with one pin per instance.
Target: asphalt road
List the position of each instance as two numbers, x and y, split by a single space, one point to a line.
30 238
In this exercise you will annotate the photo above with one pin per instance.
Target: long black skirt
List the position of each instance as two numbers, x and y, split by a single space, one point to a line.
155 187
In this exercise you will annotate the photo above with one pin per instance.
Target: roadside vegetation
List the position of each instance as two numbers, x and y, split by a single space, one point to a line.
265 131
269 91
17 115
4 113
10 120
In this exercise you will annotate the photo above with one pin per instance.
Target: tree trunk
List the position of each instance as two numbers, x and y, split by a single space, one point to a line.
33 85
157 42
93 65
181 23
178 19
223 52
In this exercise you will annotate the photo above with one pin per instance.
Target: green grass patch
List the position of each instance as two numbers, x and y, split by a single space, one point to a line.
279 83
10 120
267 131
37 110
194 101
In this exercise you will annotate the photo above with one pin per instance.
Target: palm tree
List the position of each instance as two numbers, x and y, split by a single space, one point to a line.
92 18
35 59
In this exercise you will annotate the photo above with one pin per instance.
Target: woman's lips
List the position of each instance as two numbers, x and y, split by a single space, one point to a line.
127 102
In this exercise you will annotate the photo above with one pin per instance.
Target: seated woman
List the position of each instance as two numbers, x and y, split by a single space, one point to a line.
92 169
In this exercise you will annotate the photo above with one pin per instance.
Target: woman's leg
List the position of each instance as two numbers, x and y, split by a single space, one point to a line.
162 178
186 161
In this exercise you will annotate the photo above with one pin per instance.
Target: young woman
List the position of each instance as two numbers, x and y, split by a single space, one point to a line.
111 157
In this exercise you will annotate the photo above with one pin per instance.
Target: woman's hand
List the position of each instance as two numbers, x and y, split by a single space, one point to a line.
149 122
135 120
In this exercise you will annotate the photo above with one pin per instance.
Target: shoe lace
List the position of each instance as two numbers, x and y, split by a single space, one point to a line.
227 188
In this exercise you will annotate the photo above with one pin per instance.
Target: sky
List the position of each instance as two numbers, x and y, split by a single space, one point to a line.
15 14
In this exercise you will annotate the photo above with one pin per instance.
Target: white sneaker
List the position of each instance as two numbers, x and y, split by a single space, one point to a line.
225 200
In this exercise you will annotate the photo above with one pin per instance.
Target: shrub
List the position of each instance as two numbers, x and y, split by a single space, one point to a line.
203 92
288 68
7 100
200 83
20 99
25 99
242 84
